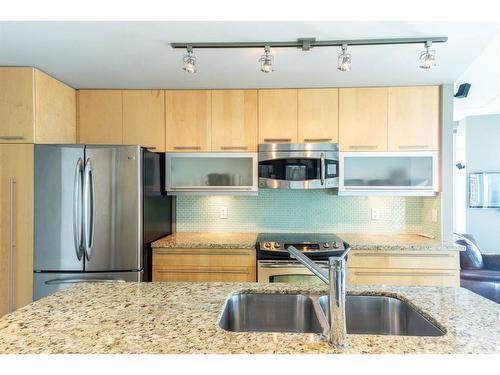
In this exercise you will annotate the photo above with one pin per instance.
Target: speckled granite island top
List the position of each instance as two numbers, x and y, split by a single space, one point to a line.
183 318
382 242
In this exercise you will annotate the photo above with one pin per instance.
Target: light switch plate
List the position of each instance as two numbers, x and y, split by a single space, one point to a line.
375 214
223 213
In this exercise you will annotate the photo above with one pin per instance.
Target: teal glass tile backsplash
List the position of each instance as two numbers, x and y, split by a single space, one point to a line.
305 210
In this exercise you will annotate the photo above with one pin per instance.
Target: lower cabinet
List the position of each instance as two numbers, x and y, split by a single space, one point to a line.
230 265
414 268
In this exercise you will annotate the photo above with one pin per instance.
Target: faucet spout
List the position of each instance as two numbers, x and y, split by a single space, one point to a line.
336 280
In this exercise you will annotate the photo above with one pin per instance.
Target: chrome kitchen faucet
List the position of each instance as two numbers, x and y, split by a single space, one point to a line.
336 279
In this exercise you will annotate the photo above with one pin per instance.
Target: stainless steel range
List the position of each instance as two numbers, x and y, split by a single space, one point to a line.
275 264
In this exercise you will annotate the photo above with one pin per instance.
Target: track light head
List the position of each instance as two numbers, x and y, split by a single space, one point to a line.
427 57
344 60
189 61
267 61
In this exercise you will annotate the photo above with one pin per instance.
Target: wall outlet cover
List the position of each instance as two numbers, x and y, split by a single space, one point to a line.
375 214
223 213
434 215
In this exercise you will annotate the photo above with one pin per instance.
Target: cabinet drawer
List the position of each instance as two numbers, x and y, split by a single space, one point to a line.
403 277
205 257
409 260
204 274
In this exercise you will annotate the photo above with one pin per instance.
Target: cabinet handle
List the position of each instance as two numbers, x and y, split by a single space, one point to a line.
187 147
203 271
363 147
409 147
12 183
317 139
373 273
403 255
277 139
233 147
11 137
149 148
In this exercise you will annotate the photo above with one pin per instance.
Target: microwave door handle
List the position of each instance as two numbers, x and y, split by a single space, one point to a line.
322 169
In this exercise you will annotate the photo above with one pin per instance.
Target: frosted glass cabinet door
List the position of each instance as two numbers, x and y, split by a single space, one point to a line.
389 172
211 172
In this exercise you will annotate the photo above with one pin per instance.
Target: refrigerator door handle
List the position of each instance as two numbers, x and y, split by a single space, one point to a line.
77 207
88 205
81 280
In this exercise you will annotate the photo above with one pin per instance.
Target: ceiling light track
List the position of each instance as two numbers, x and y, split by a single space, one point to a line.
308 43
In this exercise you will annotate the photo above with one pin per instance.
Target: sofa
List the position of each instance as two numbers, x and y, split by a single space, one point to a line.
480 273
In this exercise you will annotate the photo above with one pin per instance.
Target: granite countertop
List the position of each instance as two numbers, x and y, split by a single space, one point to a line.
382 242
183 318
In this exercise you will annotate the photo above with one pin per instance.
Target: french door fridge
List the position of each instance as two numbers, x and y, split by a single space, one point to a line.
88 215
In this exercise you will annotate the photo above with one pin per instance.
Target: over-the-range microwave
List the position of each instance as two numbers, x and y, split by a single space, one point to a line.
299 165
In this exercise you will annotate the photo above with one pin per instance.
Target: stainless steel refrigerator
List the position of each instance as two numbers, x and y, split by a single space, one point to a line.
96 210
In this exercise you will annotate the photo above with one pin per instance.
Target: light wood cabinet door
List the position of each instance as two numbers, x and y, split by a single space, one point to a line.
318 115
413 118
16 192
144 118
55 110
17 105
363 119
405 268
100 117
195 265
234 120
278 116
188 120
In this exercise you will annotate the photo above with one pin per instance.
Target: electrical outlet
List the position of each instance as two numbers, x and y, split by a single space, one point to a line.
375 214
434 215
223 213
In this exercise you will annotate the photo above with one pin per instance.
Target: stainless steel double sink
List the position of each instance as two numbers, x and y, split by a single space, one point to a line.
368 315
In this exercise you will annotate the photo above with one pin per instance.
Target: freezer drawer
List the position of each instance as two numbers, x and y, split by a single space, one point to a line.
50 282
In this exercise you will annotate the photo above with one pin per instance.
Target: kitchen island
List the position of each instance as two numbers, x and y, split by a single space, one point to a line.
147 318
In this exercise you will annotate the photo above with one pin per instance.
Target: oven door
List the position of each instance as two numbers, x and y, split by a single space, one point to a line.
270 271
298 169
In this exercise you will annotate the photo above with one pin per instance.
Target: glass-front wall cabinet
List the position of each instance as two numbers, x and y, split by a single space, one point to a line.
394 173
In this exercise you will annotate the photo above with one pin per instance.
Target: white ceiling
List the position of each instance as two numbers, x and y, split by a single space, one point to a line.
138 55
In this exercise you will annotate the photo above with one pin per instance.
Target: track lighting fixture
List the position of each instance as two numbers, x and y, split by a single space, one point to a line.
427 57
189 61
344 60
267 61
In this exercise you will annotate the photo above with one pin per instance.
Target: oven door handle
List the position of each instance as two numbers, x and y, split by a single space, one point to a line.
287 265
322 169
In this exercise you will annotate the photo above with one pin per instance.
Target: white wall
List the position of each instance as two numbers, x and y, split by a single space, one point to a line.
483 154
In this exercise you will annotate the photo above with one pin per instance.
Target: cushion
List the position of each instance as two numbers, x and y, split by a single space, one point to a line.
480 275
471 258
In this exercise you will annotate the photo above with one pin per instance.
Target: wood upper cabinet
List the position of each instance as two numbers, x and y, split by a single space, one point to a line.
318 115
16 191
17 105
100 117
188 120
278 116
55 119
144 118
413 118
35 108
234 120
363 119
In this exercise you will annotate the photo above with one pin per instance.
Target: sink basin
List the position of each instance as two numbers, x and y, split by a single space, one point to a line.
380 315
271 313
368 315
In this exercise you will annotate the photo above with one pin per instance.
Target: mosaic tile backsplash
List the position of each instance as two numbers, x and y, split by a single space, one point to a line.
307 211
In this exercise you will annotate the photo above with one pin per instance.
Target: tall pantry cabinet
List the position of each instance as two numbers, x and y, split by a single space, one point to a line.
34 108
